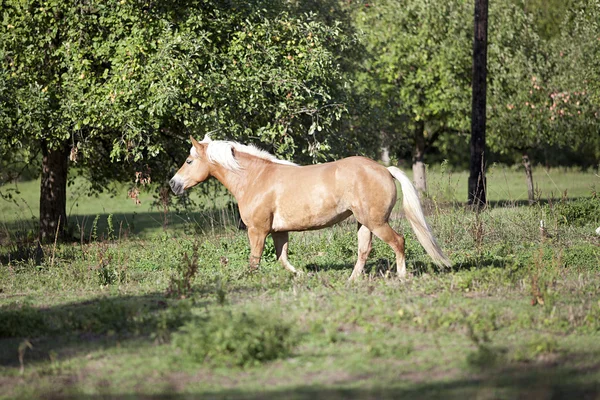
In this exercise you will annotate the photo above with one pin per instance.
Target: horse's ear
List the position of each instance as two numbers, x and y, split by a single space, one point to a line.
197 148
194 141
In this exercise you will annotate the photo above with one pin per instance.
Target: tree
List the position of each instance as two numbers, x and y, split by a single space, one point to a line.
127 81
417 73
547 15
534 101
477 184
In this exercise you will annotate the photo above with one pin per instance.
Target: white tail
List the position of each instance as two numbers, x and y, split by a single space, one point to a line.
414 214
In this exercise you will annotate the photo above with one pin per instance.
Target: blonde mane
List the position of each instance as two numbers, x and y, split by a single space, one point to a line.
221 152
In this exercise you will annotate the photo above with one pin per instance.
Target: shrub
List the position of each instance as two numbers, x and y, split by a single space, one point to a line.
21 320
579 212
234 338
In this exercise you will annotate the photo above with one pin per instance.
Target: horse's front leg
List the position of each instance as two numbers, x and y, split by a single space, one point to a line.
257 244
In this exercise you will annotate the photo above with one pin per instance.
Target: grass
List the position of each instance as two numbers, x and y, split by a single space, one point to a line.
173 312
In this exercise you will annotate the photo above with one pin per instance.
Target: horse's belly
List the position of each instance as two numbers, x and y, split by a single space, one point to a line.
284 222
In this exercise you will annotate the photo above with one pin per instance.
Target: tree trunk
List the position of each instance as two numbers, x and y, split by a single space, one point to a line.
53 192
385 148
385 155
477 183
529 175
418 166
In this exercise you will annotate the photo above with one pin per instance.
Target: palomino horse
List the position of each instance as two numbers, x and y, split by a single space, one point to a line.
276 197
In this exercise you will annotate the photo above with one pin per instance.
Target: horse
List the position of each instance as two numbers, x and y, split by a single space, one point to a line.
277 197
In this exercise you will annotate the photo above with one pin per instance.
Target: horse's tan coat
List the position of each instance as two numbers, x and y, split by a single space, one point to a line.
276 199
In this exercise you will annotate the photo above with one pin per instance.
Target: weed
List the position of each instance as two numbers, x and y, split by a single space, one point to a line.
110 233
484 357
94 230
108 270
172 317
220 292
380 346
181 282
535 348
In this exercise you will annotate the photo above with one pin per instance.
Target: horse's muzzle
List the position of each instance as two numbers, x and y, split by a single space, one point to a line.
176 186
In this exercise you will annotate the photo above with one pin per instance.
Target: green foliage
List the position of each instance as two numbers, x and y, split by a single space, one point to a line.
125 78
541 91
579 212
21 320
582 256
548 15
128 81
417 69
239 339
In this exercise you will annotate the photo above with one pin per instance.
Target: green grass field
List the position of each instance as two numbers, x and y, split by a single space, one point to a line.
174 313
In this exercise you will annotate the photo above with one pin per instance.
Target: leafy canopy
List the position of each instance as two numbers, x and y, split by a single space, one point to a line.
131 79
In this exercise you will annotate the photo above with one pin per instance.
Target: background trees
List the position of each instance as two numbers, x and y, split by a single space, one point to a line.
540 91
88 83
417 72
417 78
115 87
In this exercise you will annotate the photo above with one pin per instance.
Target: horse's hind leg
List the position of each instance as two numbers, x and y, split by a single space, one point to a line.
396 242
281 239
364 248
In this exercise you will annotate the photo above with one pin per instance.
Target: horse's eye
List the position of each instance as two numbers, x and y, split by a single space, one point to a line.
188 161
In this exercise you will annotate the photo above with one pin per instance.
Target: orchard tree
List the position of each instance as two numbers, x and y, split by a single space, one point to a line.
533 101
126 81
516 92
547 15
418 71
577 54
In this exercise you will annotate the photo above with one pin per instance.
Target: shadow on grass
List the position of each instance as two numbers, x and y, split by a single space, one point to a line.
383 266
317 267
419 268
84 326
537 381
121 225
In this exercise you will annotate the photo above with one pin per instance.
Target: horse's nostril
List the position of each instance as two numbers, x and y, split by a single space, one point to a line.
176 186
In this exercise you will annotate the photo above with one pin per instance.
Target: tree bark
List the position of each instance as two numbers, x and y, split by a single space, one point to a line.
529 176
53 192
418 166
477 183
385 148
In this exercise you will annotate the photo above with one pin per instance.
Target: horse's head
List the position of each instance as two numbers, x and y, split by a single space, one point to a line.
194 170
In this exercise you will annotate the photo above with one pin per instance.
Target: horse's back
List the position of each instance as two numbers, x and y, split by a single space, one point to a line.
316 196
348 181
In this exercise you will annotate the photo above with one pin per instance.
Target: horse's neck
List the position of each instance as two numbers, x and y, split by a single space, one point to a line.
237 182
